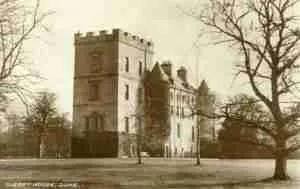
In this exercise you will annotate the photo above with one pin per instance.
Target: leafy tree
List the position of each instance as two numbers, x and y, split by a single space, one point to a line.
14 135
41 115
62 135
237 140
265 35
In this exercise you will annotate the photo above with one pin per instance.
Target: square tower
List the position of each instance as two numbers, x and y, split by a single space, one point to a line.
109 69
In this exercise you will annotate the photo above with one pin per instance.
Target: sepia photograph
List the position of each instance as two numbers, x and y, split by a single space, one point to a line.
138 94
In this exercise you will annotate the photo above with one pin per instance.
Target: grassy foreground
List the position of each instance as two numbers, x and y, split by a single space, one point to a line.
154 173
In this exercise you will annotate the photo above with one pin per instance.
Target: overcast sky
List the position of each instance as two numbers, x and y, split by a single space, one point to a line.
172 32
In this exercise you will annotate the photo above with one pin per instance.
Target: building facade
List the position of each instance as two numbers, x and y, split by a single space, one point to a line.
120 96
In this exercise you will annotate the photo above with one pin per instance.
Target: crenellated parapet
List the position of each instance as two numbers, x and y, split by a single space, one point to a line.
115 35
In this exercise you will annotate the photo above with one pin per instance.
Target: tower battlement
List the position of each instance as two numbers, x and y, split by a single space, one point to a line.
114 35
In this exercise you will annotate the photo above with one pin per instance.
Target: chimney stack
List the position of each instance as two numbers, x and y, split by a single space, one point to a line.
167 67
181 73
103 32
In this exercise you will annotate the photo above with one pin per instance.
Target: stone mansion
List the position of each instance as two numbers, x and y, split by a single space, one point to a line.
120 94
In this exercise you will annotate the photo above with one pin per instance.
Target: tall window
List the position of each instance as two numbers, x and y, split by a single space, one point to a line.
178 130
140 95
139 119
86 123
126 124
93 91
126 92
171 109
127 64
101 123
140 67
193 134
93 121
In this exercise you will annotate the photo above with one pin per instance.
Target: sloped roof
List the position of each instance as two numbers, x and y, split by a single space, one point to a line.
159 72
203 88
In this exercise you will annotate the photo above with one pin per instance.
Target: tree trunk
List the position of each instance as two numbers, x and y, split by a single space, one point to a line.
139 145
42 147
280 168
198 147
38 148
139 155
280 161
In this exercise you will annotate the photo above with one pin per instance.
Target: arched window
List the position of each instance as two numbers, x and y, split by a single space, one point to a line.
93 121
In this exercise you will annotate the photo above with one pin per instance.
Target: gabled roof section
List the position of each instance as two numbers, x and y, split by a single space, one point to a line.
158 72
203 88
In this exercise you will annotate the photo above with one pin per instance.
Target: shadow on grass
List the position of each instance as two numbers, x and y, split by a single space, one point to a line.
85 165
74 166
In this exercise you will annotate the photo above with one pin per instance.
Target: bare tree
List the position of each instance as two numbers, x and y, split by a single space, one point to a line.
203 108
266 37
18 24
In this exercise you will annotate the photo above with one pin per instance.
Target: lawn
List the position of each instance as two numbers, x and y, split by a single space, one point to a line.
154 173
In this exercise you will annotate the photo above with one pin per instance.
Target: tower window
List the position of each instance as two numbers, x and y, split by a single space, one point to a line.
93 91
126 92
126 124
140 67
96 62
127 64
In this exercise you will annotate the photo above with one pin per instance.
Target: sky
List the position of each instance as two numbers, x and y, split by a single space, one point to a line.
172 32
